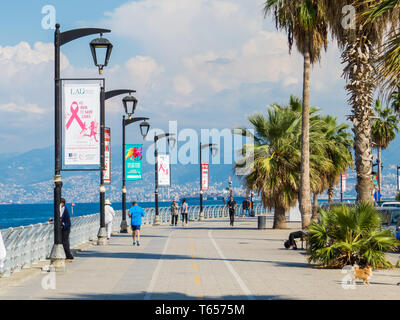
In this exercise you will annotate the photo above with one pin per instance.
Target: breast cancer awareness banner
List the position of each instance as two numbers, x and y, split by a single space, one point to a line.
164 174
204 176
107 155
82 124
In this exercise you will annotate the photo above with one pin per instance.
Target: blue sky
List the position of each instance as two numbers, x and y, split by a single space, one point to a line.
204 63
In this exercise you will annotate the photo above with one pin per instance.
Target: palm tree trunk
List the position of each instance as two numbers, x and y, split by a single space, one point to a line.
279 218
305 192
315 208
330 193
359 55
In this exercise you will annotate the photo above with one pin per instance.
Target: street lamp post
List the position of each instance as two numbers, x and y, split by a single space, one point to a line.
144 129
57 255
102 234
252 206
398 181
213 148
156 138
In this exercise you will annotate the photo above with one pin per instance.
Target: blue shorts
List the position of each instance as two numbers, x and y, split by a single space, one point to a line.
135 227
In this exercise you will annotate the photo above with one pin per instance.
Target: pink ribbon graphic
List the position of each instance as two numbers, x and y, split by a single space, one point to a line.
76 117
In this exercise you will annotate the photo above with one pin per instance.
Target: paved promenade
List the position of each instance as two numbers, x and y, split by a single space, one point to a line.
207 260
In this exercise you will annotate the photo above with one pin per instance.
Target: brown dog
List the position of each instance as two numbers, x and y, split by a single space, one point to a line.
362 274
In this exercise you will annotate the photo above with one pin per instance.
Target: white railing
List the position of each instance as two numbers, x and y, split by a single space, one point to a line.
28 245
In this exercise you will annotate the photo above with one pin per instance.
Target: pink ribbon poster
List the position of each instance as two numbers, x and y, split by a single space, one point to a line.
204 176
164 174
82 124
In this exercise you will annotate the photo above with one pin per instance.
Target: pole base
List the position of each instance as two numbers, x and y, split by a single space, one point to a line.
102 237
156 221
124 227
57 258
201 216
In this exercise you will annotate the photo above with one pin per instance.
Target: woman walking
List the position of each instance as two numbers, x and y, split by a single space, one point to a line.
184 212
109 217
174 213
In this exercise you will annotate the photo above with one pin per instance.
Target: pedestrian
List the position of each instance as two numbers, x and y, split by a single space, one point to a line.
291 243
109 217
65 229
136 213
232 206
174 213
3 252
246 207
184 212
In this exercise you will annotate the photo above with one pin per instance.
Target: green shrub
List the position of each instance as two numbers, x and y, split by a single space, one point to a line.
398 196
348 236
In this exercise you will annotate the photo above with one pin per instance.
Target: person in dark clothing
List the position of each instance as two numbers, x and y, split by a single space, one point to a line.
232 206
291 243
66 229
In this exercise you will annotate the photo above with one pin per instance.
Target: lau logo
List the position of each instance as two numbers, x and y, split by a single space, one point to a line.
49 20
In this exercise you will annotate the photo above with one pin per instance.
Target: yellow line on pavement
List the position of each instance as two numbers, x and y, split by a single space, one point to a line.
195 266
197 280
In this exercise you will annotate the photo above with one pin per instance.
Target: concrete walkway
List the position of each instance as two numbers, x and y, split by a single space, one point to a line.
207 260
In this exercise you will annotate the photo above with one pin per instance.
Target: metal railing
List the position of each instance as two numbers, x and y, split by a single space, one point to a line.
28 245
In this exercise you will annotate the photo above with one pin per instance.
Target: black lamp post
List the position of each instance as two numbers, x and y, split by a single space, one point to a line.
170 137
102 234
144 129
398 182
213 148
101 47
57 255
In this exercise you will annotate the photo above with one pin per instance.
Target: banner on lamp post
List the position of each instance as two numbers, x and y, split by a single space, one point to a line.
344 182
82 124
107 155
133 162
204 176
164 172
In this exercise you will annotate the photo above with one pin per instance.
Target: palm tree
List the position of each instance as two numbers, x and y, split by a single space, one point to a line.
383 132
345 236
389 59
359 45
276 153
338 148
305 24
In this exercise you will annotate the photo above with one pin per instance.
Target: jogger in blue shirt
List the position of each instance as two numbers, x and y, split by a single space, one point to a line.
136 213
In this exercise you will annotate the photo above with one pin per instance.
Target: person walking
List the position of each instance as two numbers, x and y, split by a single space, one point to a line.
232 206
65 229
109 217
174 213
136 213
3 252
184 212
246 207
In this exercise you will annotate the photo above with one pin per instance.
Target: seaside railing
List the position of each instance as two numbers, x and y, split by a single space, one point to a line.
28 245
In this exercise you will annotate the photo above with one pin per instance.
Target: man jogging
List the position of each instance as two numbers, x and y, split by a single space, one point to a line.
136 213
231 206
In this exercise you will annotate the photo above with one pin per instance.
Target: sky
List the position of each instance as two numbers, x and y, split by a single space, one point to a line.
202 63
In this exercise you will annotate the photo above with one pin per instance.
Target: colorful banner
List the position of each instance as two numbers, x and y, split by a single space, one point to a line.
107 155
344 182
133 162
164 176
82 124
204 176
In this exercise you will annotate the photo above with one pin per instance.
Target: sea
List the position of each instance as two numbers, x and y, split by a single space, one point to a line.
16 215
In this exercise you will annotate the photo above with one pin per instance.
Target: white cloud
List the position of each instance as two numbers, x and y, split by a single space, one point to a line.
22 109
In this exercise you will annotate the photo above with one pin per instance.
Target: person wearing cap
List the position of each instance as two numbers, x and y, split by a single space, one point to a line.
109 217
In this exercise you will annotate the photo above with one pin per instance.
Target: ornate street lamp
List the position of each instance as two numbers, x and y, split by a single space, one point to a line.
130 103
171 140
57 255
101 51
213 149
144 128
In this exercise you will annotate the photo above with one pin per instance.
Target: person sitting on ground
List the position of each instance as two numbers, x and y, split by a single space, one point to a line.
291 243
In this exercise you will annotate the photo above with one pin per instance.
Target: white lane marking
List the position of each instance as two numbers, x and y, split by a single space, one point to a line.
242 285
156 272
